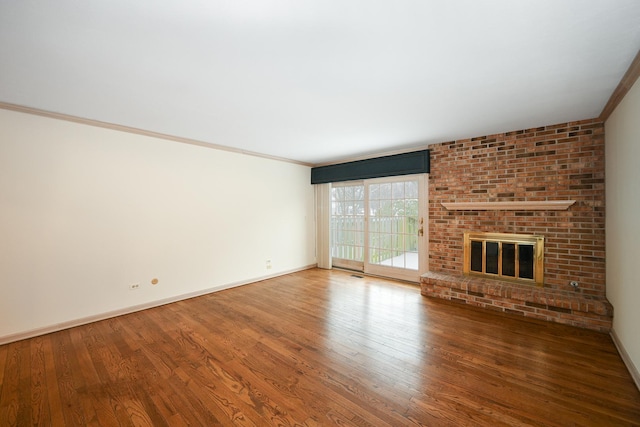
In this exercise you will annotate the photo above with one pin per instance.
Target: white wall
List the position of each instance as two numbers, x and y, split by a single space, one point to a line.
622 132
87 211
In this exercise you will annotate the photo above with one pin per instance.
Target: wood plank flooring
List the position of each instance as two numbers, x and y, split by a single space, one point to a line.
317 348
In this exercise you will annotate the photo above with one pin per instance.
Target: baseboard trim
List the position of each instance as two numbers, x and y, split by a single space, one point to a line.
626 358
7 339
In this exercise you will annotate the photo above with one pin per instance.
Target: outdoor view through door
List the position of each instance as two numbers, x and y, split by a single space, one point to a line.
377 226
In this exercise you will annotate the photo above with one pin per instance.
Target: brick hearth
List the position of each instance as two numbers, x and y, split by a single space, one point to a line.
568 307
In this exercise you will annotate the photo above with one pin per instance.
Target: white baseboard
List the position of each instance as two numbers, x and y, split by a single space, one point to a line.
108 315
626 358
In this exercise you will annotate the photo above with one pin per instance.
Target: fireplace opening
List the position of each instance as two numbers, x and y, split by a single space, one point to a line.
517 257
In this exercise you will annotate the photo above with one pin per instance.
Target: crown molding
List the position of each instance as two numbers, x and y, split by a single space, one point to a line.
627 82
137 131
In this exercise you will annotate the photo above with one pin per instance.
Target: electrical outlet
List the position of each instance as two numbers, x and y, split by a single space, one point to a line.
268 264
134 286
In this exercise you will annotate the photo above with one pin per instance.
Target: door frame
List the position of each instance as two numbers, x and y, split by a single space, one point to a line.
423 238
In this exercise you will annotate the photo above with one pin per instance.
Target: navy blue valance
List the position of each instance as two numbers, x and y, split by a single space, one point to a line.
394 165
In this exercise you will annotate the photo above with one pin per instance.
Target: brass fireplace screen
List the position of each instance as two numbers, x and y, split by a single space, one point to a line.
517 257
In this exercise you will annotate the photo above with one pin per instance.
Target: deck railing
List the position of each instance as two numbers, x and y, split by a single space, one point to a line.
388 237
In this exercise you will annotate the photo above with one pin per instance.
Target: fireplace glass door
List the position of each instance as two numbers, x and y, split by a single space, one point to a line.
508 256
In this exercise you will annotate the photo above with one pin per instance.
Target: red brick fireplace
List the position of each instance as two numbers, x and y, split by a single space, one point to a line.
547 181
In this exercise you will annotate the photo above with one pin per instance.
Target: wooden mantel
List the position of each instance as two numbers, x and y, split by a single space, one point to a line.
544 205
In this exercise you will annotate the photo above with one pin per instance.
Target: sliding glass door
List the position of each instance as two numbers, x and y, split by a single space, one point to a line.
377 226
395 227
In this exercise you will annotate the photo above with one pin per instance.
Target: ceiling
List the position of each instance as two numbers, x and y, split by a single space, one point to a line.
317 81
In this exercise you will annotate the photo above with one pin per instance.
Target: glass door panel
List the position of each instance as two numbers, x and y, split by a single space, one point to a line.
347 225
395 220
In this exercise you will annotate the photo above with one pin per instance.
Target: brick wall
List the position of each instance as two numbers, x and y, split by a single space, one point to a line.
559 162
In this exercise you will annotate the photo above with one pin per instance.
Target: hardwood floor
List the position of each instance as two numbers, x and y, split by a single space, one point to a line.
317 348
